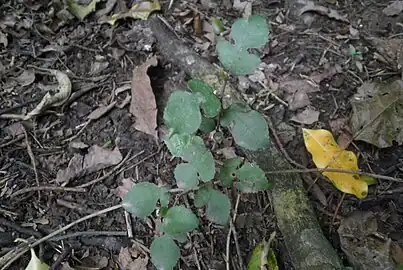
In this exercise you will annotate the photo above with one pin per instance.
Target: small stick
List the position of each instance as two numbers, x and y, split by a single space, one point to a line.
68 226
47 188
383 177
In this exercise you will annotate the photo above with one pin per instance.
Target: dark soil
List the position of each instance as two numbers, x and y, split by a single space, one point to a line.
35 38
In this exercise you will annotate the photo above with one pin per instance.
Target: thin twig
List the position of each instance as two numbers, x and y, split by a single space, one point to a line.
238 250
49 236
383 177
32 158
47 188
88 233
336 211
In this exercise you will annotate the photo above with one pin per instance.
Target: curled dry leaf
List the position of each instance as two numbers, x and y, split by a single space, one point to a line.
143 105
327 154
53 98
322 10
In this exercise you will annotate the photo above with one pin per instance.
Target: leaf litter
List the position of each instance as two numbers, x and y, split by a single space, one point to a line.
143 105
378 114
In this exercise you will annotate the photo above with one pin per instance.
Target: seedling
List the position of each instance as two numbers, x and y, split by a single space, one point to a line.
187 114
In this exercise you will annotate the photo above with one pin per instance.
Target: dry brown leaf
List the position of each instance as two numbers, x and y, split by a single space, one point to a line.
307 116
393 9
143 105
322 10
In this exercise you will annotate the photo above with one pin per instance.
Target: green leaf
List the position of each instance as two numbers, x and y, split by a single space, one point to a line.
164 196
218 27
182 112
186 176
196 153
202 197
211 105
217 204
165 253
238 62
180 237
141 199
227 172
35 263
178 220
252 32
231 112
177 143
218 207
249 129
207 125
81 11
251 179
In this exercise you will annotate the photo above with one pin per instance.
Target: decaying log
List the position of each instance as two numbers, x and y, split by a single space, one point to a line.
308 248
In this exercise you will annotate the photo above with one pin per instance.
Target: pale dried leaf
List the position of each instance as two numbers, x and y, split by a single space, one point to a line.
143 105
322 10
101 111
127 184
393 9
99 158
127 262
26 78
308 116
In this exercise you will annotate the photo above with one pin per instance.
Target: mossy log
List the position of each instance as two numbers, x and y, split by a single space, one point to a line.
306 245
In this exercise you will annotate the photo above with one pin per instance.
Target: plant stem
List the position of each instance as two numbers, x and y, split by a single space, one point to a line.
394 179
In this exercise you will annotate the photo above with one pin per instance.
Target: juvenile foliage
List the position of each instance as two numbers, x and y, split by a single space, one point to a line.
188 113
252 32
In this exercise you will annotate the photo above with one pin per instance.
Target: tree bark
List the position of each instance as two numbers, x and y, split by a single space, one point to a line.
308 248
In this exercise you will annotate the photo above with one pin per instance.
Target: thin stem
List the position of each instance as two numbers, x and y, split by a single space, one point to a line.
400 180
68 226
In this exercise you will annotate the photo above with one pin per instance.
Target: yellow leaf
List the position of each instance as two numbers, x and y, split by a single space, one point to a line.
35 263
140 11
81 11
327 154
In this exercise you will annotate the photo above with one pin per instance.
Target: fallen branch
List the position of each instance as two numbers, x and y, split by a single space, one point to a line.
308 248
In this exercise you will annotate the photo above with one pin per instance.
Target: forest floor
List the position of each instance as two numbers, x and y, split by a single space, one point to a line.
59 167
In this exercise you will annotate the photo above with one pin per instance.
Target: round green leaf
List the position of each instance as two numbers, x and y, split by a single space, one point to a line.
164 196
186 176
177 143
251 179
218 207
211 105
178 220
252 32
249 127
182 112
227 172
200 157
238 62
202 197
141 199
164 252
207 125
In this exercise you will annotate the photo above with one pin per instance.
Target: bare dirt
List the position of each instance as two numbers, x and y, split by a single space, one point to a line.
101 58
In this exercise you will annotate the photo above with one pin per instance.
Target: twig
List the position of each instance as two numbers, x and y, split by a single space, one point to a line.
19 229
129 227
18 138
238 250
336 211
49 236
48 188
383 177
88 233
32 158
60 258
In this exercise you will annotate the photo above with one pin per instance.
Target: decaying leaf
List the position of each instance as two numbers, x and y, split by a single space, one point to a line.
141 10
327 154
263 256
35 263
81 11
393 8
53 98
143 105
26 78
307 116
131 258
378 114
322 10
97 158
363 250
